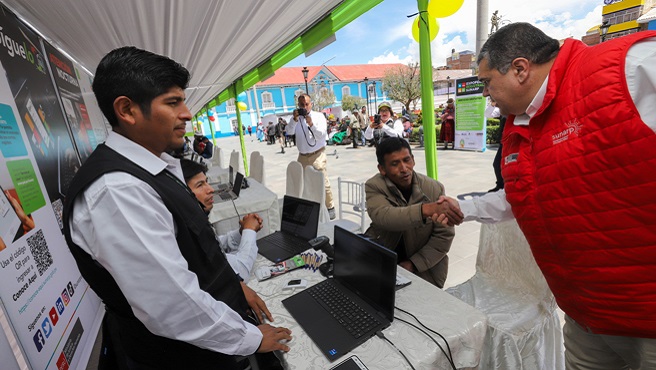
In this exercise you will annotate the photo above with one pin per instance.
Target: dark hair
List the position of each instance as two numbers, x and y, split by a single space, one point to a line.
306 97
390 145
138 74
191 168
517 40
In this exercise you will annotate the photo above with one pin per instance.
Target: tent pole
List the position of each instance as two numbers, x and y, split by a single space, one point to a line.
427 104
241 131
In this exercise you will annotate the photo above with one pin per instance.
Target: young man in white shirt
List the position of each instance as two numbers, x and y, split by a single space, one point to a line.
142 241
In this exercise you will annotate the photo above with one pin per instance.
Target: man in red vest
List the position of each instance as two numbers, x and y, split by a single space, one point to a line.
579 164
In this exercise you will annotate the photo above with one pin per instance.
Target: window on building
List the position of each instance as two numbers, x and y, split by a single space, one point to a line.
267 97
230 102
346 91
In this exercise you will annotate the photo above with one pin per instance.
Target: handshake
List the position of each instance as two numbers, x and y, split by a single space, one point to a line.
445 211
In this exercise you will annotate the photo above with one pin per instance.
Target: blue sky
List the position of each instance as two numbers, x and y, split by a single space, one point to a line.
383 35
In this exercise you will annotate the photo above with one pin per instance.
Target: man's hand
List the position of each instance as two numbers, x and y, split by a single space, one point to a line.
408 265
251 221
26 221
256 303
451 208
440 219
295 115
271 337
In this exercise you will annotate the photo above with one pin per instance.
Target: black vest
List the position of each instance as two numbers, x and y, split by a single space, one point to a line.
199 247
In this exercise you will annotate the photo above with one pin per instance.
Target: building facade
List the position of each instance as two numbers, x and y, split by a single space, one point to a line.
622 16
277 95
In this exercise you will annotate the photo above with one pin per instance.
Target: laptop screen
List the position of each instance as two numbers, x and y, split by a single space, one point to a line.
236 188
300 217
366 268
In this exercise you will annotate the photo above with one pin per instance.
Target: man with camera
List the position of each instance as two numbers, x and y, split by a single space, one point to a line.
311 129
383 125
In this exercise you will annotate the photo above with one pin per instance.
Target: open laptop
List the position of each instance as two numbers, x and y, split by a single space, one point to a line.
232 193
219 187
300 219
363 284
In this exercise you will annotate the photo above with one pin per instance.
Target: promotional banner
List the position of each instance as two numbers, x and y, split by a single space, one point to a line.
73 104
470 115
50 308
98 121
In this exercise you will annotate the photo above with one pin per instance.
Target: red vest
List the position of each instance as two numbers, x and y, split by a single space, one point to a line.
581 179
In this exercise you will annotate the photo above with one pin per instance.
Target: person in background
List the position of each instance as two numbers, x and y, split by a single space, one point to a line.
383 125
401 203
250 130
407 125
280 131
578 159
143 243
259 132
271 133
208 148
448 126
311 128
363 118
238 245
492 111
356 133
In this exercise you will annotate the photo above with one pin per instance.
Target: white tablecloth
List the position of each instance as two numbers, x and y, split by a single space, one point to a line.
462 325
216 174
254 199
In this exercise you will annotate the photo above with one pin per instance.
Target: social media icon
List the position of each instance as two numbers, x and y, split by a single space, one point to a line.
70 289
47 328
53 316
65 297
39 340
60 305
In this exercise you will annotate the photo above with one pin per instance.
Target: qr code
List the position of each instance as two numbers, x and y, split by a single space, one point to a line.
58 207
40 251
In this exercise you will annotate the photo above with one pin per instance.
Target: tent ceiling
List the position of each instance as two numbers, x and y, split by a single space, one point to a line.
218 41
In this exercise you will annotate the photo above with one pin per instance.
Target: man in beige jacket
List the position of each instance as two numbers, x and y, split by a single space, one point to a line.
400 203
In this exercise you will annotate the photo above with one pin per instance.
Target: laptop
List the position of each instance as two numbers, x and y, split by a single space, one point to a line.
232 193
363 282
219 187
300 219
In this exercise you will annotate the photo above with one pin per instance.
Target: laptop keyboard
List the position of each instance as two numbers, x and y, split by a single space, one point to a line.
351 316
225 195
285 242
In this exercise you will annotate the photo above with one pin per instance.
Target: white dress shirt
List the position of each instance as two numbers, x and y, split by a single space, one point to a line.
309 139
395 131
640 74
240 251
124 225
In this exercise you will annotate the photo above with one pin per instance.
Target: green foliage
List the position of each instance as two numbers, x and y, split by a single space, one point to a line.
350 102
403 84
322 98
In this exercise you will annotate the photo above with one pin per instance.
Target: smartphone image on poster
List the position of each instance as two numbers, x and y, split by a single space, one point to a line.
9 221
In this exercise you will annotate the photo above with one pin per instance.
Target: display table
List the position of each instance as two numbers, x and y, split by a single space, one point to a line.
216 174
255 199
462 325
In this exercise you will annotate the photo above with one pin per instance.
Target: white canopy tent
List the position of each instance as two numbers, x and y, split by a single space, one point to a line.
218 41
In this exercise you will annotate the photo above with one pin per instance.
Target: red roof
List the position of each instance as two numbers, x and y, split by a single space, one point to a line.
357 72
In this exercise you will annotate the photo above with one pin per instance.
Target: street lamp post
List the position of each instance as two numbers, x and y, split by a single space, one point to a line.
366 92
375 96
603 29
448 86
305 76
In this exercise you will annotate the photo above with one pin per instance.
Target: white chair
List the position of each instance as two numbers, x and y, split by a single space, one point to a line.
234 161
524 330
351 200
257 167
314 189
294 186
217 157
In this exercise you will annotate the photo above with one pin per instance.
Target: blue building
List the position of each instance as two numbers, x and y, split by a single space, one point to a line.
278 94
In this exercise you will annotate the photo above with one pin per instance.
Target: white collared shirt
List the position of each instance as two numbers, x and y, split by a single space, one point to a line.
124 225
309 139
640 72
240 250
396 130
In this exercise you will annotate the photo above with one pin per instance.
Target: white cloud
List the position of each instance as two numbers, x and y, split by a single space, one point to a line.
390 58
558 18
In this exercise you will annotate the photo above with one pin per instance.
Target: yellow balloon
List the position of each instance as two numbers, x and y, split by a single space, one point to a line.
433 27
444 8
242 106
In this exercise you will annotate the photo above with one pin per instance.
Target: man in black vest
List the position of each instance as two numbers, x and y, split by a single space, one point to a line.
143 242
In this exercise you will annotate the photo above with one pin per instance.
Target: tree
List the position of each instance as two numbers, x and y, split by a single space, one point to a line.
350 102
322 98
402 84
